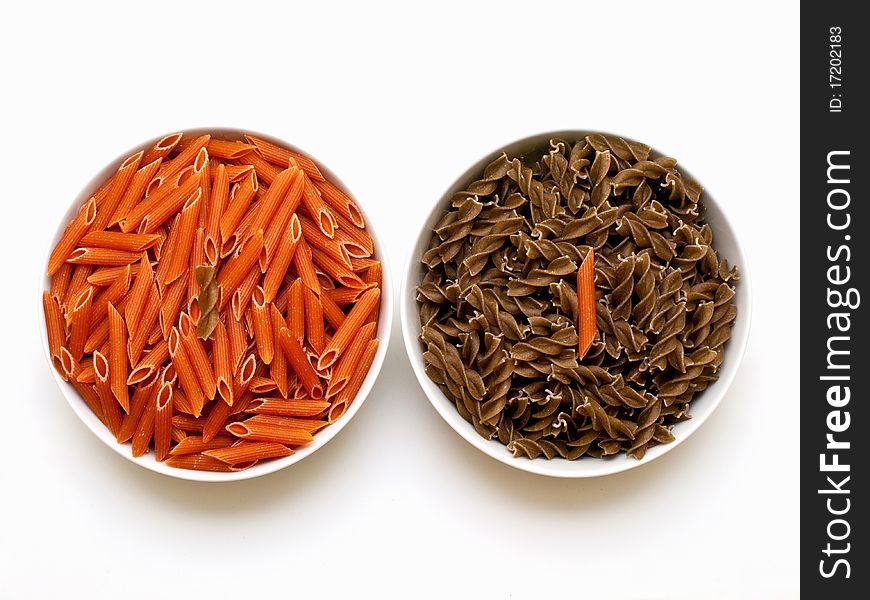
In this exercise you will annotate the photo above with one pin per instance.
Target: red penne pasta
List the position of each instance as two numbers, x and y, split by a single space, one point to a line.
306 423
318 209
296 311
111 413
237 173
305 267
278 366
238 205
347 395
238 341
120 182
266 173
89 395
315 333
223 367
162 148
172 300
277 269
331 311
149 317
195 259
215 209
103 257
348 232
228 149
163 423
79 315
343 335
338 271
118 366
282 156
71 237
197 355
346 365
239 266
242 296
149 214
298 361
150 365
60 282
189 155
277 226
267 432
186 374
194 444
135 190
263 334
113 294
145 427
54 324
116 240
272 199
201 462
186 224
188 423
318 241
244 452
287 408
340 202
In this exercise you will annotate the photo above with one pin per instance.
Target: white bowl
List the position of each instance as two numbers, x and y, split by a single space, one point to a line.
147 461
702 405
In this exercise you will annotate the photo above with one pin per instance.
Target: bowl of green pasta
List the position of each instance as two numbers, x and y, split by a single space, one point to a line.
576 304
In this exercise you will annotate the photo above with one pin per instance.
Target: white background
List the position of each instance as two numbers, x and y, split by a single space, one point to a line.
398 100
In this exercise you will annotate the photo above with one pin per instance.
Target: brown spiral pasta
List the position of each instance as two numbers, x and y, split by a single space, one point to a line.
498 302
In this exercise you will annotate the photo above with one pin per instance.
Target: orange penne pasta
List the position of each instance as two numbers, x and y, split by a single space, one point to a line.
145 427
315 332
163 422
118 356
116 240
173 299
188 423
120 182
197 355
268 432
60 282
299 362
148 319
347 363
347 395
195 259
77 284
228 149
54 324
107 275
201 462
188 156
305 267
149 366
194 444
278 366
262 385
242 296
273 197
343 296
294 407
308 424
347 232
263 334
162 148
111 414
205 199
296 311
244 452
186 375
103 257
282 156
340 202
317 240
216 420
331 311
318 209
223 367
276 226
136 190
277 269
361 264
138 401
238 205
239 266
337 270
186 224
79 315
238 342
343 335
148 215
74 232
237 173
215 209
113 294
89 395
266 173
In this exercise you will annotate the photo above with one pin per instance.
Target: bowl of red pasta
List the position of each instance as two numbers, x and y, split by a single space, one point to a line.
216 305
576 304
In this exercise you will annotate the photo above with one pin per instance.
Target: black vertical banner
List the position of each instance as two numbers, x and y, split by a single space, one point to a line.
835 230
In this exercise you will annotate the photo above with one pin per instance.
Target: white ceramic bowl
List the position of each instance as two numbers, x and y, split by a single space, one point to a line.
147 460
703 404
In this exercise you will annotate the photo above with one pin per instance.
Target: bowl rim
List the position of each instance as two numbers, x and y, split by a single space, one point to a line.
324 436
736 346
